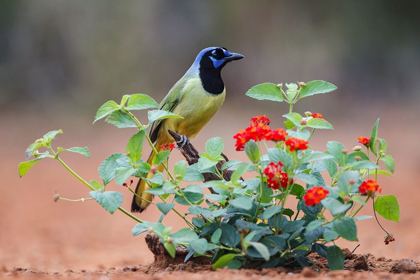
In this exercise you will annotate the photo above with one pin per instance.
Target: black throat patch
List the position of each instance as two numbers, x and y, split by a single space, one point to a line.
211 77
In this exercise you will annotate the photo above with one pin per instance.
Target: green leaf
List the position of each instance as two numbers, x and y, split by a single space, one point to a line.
180 169
266 91
335 258
157 115
120 120
365 164
30 150
80 150
140 102
193 175
389 162
295 118
307 178
335 206
160 157
199 246
135 146
224 260
297 190
123 173
314 156
331 167
330 235
387 206
374 138
157 180
95 184
138 229
214 147
316 87
252 151
335 149
106 109
205 163
270 212
382 145
244 202
261 249
110 164
314 225
25 166
275 155
193 197
302 134
230 235
49 136
170 248
215 238
319 124
380 172
165 207
110 201
185 235
343 182
346 227
143 227
237 174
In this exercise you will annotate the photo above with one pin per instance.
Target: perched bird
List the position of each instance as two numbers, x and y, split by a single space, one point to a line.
196 97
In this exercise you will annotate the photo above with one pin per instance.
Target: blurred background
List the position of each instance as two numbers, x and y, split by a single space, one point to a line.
60 60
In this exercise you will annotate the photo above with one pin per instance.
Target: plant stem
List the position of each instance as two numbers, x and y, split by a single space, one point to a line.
374 212
291 108
141 127
88 185
360 208
75 200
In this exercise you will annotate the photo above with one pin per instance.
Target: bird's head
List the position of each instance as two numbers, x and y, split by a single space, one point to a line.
215 58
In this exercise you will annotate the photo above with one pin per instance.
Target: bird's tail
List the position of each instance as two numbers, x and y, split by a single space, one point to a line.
142 199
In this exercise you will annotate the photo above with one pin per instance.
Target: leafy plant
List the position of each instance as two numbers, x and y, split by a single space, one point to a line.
245 223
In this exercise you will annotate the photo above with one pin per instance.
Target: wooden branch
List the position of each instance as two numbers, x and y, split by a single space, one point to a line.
191 155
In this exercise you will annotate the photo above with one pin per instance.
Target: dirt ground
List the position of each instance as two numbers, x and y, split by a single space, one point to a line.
44 239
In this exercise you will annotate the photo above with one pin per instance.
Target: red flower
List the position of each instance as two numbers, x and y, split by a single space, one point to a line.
275 176
168 147
276 135
315 195
241 139
261 119
258 130
317 116
364 140
296 144
369 188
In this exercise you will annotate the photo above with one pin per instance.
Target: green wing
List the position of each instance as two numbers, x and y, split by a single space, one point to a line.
169 103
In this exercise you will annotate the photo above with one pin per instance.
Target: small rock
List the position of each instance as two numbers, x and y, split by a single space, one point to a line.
381 259
308 272
83 270
361 263
126 268
134 268
404 265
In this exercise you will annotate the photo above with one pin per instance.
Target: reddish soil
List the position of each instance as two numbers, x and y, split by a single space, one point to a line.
43 239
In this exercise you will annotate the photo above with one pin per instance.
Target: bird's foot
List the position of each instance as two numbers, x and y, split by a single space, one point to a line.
182 142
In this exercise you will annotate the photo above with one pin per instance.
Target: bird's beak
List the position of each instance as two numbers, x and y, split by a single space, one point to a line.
233 56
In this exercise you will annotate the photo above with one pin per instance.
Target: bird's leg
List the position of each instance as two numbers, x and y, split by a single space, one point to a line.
182 142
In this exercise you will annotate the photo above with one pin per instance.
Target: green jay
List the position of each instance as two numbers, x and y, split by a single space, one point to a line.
197 96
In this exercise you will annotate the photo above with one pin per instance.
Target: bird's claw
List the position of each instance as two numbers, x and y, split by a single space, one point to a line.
182 142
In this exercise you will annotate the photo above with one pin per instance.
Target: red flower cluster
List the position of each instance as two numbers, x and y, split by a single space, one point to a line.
276 177
296 144
369 187
261 119
389 238
364 140
315 195
168 147
258 130
317 116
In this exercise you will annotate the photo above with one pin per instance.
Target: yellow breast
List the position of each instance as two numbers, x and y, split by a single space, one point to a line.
197 107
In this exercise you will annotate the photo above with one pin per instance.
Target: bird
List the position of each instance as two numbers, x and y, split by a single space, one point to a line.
197 96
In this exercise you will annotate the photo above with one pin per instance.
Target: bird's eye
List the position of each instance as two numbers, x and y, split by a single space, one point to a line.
218 54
